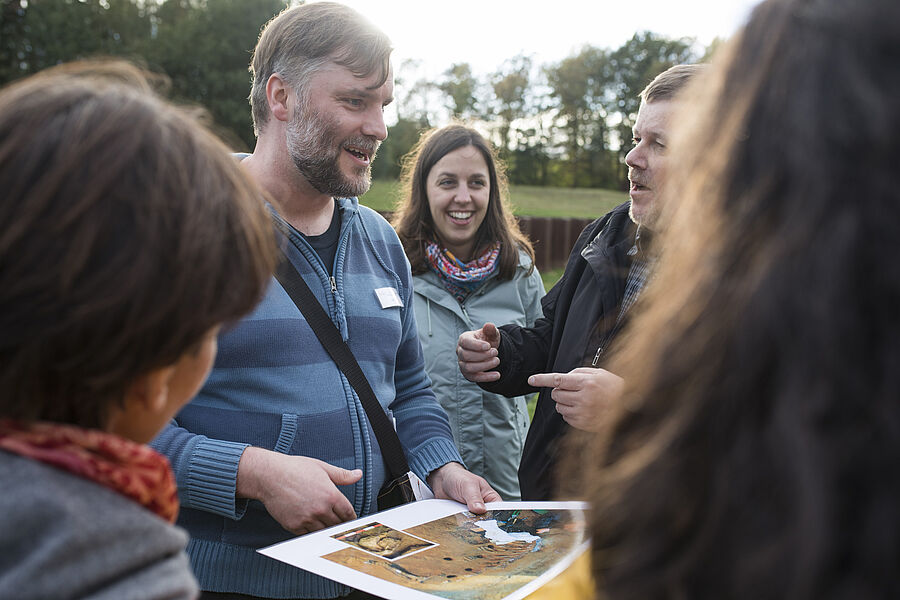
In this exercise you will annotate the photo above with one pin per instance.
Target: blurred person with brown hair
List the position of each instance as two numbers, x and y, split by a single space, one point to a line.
129 237
562 354
756 451
470 264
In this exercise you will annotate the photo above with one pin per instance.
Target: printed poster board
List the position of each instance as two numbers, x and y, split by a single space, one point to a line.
436 549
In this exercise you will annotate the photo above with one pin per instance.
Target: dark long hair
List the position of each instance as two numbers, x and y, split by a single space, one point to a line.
756 452
412 217
128 233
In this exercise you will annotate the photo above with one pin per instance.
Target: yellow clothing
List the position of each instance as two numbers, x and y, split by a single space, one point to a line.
575 583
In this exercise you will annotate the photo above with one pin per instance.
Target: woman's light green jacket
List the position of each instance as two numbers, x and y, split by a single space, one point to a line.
489 429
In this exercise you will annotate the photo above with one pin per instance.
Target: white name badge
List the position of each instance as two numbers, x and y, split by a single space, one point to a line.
388 297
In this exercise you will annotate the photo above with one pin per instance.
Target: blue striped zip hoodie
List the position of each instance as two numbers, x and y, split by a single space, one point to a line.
274 386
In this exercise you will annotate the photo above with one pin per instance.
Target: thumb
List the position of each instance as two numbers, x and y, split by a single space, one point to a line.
491 334
341 476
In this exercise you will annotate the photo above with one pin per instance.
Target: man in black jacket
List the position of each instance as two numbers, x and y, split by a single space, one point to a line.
562 353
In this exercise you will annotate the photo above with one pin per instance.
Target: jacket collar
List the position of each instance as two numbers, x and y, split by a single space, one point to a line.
643 245
613 241
347 206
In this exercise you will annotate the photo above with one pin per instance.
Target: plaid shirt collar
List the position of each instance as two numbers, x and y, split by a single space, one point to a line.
639 273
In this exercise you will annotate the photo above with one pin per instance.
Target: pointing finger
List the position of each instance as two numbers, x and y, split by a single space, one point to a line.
544 380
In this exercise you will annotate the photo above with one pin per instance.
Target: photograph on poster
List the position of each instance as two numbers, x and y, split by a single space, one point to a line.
383 541
438 549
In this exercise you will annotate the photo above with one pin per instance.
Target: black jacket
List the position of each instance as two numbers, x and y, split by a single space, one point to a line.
580 314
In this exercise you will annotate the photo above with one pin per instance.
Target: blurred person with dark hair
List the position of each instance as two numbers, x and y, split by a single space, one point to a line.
124 223
470 263
756 450
278 443
562 354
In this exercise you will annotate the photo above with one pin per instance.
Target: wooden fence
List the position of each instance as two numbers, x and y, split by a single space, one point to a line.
552 238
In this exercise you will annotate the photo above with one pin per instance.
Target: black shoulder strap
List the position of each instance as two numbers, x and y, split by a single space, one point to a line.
341 354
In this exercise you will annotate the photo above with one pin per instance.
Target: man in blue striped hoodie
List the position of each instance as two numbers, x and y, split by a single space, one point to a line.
277 442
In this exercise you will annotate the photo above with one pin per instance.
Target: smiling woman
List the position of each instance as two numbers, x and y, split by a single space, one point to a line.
458 192
471 264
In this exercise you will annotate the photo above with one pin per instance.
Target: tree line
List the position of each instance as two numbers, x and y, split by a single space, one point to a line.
566 123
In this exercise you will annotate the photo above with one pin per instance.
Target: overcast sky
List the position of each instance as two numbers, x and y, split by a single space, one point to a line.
486 32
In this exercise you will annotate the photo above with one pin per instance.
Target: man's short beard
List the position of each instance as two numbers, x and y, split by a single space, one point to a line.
648 220
316 152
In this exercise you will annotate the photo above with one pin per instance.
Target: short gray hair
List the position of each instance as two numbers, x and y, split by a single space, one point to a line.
670 82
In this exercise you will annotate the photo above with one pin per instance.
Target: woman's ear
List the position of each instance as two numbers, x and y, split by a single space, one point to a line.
150 391
144 408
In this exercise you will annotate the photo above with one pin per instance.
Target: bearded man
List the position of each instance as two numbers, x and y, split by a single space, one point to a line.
278 443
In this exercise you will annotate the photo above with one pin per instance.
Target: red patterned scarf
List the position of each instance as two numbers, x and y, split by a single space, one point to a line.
131 469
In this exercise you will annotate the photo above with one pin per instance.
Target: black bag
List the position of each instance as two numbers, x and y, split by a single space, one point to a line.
397 489
395 492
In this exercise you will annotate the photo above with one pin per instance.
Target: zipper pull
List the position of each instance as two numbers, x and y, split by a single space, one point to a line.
597 356
466 314
333 285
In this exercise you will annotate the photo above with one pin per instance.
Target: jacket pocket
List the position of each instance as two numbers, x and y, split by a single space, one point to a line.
263 430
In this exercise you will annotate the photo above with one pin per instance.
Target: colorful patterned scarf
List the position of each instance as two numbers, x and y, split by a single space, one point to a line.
131 469
461 279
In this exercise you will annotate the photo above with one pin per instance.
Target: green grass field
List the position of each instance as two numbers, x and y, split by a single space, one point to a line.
528 200
551 277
